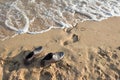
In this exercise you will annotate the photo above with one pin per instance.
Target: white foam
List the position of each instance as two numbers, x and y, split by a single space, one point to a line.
40 31
26 26
7 23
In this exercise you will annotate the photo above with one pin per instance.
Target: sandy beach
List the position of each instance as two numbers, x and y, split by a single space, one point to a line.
92 52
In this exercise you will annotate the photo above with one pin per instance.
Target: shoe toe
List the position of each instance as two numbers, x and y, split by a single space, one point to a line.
38 50
61 54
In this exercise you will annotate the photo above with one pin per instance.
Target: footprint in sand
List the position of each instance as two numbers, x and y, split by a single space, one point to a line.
118 48
66 43
45 75
114 56
60 76
73 39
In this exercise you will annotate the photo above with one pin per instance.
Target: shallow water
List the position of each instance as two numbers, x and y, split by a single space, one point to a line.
38 16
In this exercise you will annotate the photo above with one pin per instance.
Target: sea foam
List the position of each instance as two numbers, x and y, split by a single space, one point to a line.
38 16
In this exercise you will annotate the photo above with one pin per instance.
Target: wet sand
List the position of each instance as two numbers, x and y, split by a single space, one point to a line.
92 52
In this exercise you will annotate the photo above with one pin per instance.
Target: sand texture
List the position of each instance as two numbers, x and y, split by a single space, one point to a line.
92 52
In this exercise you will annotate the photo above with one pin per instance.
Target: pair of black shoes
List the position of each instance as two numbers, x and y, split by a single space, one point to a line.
48 59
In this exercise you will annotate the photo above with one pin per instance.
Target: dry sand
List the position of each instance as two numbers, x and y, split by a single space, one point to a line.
92 52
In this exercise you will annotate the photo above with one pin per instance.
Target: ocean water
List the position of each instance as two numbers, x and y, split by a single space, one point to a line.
38 16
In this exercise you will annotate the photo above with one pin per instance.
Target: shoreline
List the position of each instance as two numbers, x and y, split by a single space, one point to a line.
91 45
81 25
